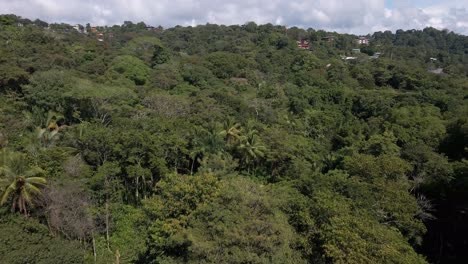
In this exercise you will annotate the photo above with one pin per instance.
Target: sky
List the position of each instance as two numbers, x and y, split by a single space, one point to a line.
344 16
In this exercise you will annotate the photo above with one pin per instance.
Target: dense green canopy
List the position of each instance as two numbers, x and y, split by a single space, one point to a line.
231 144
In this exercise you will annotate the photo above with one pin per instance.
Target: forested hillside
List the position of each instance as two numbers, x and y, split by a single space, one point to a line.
231 144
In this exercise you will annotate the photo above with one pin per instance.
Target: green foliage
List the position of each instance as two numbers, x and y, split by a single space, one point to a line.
128 67
228 144
160 56
86 89
11 76
28 241
226 65
165 77
241 225
369 50
7 20
456 141
147 49
429 168
414 123
127 229
357 220
370 167
353 237
197 75
46 89
169 210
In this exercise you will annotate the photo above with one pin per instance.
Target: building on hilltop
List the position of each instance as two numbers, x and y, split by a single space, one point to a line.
155 29
303 44
80 28
100 37
362 41
159 29
328 38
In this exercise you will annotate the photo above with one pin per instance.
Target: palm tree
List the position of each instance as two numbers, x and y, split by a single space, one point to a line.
210 141
231 131
47 137
47 129
251 149
205 141
22 183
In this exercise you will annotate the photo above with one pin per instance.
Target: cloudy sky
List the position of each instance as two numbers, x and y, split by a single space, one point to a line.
350 16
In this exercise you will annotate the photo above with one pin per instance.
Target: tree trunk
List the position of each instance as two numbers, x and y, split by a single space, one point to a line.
137 194
107 225
94 247
191 168
117 257
107 212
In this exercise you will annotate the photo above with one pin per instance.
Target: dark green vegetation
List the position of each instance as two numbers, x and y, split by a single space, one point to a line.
219 144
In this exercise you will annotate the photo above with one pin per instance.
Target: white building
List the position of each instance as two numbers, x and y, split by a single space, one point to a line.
363 41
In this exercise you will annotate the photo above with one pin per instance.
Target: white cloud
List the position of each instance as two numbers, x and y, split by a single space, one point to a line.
356 16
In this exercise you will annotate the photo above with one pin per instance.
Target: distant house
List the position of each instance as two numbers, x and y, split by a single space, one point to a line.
356 50
100 37
437 71
348 58
303 44
376 55
79 28
328 38
158 29
155 29
362 41
433 59
93 29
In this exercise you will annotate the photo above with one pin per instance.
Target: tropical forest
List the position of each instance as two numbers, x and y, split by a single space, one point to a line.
239 144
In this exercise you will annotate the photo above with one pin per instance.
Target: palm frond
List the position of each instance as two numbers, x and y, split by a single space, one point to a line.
36 180
7 171
11 188
40 132
53 134
34 171
31 188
